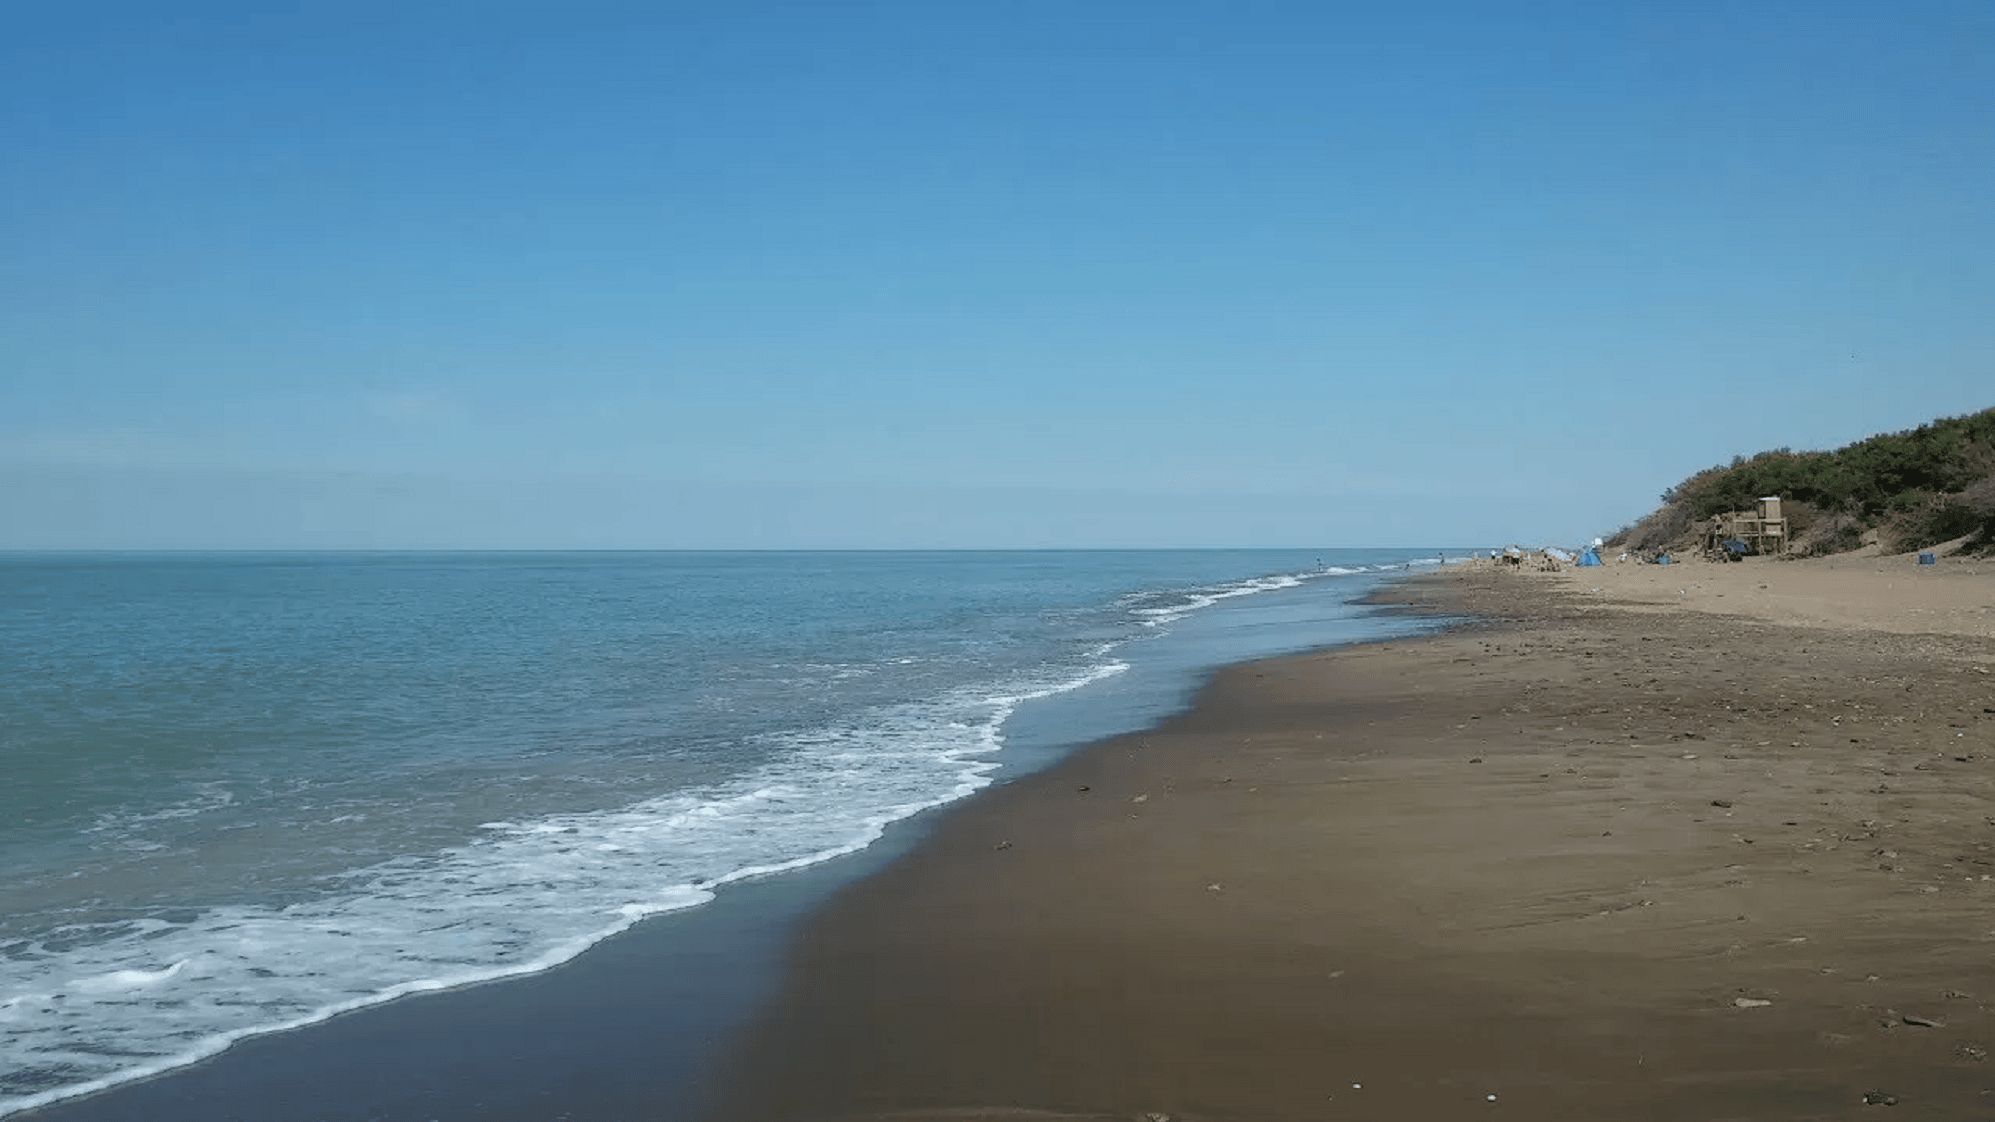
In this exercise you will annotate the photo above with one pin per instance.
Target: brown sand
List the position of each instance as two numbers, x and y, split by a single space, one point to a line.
1594 857
1863 591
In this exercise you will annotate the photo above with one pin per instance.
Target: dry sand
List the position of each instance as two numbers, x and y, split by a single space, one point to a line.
1854 591
1696 842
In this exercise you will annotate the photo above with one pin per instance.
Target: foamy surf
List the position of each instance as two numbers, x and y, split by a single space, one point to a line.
101 999
524 897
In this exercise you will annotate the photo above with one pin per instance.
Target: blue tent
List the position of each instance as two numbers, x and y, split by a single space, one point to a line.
1588 558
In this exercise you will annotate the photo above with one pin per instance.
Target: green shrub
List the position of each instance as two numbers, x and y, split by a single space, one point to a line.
1921 486
1894 472
1939 520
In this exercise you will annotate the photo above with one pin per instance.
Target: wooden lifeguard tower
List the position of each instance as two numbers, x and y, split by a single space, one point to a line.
1762 529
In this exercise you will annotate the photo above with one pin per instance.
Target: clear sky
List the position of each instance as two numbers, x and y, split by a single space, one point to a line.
491 274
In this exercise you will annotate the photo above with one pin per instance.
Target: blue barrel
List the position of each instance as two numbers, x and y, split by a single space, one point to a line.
1928 559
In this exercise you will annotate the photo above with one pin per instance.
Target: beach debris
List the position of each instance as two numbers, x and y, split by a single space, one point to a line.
1879 1098
1750 1002
1475 759
1215 887
1971 1051
1921 1022
1491 1098
1083 787
1002 845
1721 802
1156 1116
1140 799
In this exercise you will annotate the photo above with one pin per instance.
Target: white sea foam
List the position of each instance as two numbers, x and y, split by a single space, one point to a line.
524 896
208 796
1186 602
125 979
85 1008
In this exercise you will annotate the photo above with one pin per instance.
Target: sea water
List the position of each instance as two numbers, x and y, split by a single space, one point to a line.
245 792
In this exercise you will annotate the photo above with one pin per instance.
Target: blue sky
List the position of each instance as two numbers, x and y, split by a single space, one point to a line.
775 275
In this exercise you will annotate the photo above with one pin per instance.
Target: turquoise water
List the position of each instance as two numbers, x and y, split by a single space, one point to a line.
245 792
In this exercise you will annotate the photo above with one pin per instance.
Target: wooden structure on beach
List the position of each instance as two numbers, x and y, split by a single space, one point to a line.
1762 529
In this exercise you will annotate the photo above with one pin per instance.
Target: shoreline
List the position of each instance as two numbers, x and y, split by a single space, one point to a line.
620 1031
1247 941
1590 857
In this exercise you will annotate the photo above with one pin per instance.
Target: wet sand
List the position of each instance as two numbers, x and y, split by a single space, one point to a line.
1615 851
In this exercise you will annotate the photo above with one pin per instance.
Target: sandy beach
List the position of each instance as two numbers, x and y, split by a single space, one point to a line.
1702 841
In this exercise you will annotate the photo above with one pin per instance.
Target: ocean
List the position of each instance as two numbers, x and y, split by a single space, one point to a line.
246 792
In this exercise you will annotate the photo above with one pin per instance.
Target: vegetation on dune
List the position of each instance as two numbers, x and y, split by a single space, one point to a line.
1912 489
